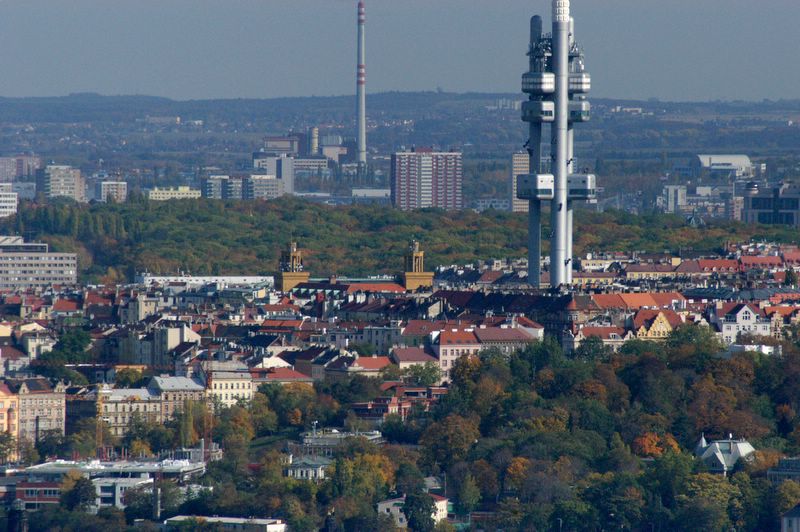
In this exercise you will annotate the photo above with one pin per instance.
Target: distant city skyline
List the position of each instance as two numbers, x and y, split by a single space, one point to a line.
197 49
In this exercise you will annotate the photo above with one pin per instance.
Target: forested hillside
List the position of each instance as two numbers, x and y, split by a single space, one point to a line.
218 237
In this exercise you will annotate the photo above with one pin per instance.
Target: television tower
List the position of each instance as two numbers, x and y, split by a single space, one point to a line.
556 84
361 90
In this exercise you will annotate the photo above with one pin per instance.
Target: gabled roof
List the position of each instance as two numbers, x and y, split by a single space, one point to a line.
749 262
457 337
374 363
411 355
499 334
719 265
604 333
422 327
66 305
645 318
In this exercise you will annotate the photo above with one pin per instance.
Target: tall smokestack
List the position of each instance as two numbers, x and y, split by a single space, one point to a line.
558 251
361 86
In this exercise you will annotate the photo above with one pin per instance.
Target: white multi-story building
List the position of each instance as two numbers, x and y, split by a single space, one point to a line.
394 508
63 181
115 191
8 200
27 265
171 193
740 318
227 383
263 187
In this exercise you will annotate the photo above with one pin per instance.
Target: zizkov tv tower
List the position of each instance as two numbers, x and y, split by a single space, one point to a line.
556 85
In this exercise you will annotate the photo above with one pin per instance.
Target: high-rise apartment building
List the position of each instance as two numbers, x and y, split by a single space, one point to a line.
8 169
62 181
8 200
30 265
520 165
425 178
114 191
19 166
222 187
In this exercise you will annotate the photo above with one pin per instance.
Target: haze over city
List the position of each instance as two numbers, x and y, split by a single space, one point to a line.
186 49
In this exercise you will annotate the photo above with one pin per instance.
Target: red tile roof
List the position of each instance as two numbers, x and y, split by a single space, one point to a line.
719 265
645 317
422 327
372 363
603 332
749 262
457 337
375 287
65 305
411 355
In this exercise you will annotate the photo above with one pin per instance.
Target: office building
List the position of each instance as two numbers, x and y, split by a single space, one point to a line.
113 191
30 265
424 178
262 187
172 193
62 181
8 200
777 206
520 165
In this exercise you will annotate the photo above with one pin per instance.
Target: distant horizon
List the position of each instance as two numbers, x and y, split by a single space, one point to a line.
681 50
520 96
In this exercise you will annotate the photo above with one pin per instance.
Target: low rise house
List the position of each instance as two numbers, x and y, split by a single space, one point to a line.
721 456
733 319
307 468
394 508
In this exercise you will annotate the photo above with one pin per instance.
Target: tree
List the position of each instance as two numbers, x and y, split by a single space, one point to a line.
127 377
418 509
408 478
265 420
428 374
449 440
592 348
468 495
7 446
80 495
791 277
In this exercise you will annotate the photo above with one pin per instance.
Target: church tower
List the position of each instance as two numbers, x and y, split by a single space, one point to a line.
415 276
292 272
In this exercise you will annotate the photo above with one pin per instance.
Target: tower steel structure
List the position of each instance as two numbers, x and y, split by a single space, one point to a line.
556 84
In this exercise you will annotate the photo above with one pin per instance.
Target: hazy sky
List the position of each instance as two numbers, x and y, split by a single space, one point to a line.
670 49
